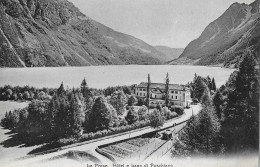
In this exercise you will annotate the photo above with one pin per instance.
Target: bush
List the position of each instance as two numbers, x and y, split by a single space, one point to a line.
67 141
178 109
143 113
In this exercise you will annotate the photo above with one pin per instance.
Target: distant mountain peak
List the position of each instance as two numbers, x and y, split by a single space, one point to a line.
55 33
223 40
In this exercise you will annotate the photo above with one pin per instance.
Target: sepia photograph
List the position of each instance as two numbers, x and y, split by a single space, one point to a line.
129 83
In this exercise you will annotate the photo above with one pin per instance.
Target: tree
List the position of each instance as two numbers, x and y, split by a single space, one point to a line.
240 127
140 102
26 95
213 84
132 100
75 116
142 113
61 89
14 97
205 99
209 83
50 125
118 101
36 117
199 87
200 136
195 78
87 94
167 81
102 116
148 93
217 102
156 119
131 116
83 84
8 94
61 118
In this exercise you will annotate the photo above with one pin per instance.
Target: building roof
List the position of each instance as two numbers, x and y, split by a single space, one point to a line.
162 86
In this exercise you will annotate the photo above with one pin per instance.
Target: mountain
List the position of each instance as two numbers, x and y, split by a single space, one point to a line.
224 40
46 33
170 53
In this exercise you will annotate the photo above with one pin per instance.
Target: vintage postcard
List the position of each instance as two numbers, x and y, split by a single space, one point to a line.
129 83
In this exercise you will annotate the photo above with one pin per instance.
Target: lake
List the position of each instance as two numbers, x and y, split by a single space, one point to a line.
103 76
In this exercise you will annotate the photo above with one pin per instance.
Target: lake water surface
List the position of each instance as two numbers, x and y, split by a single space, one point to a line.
103 76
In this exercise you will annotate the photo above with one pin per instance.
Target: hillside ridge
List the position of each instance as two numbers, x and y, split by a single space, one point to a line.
43 33
224 40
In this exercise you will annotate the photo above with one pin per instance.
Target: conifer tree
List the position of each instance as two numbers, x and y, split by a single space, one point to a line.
209 83
200 136
206 99
148 93
75 116
240 128
217 102
87 94
61 89
61 118
213 84
83 84
199 87
167 81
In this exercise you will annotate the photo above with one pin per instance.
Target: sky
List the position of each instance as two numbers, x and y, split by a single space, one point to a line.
172 23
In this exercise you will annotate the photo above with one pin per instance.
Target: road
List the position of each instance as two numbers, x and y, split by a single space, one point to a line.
90 148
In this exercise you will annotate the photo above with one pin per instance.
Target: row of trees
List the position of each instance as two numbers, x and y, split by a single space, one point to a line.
25 93
70 112
20 93
227 123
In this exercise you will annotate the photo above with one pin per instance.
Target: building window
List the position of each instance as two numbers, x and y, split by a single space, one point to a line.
140 94
137 93
144 94
155 96
143 89
176 92
172 97
176 97
172 91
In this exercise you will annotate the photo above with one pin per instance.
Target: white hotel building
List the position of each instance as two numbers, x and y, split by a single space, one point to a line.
178 94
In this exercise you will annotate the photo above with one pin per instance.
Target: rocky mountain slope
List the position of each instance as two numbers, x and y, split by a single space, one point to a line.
55 33
170 53
224 40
